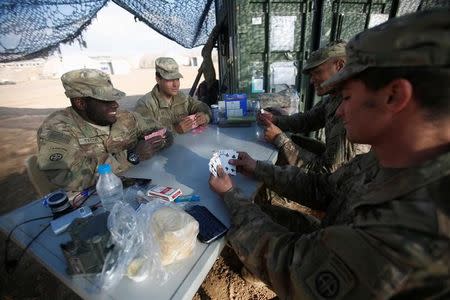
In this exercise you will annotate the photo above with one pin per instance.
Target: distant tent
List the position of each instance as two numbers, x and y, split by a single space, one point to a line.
147 61
55 66
119 66
190 58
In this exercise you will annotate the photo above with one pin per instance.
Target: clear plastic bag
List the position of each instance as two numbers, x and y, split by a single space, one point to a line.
176 233
285 102
138 242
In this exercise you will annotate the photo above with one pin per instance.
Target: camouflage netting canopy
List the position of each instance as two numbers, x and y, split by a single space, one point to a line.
34 28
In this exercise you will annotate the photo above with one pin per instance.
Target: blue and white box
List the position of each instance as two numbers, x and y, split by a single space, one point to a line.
235 105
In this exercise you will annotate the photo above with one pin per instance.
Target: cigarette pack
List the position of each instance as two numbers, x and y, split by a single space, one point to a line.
164 192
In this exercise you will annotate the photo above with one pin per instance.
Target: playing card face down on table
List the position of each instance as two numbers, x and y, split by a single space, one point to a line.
222 157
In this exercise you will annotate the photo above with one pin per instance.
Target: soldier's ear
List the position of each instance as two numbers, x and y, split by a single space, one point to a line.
400 94
339 64
78 103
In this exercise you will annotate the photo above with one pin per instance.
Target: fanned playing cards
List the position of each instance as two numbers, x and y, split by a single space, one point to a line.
222 157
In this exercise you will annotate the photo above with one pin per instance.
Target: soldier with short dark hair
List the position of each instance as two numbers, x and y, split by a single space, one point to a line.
167 105
74 141
386 232
299 150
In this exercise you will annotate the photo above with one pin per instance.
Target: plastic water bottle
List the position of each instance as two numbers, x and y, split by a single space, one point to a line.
259 128
259 131
215 113
109 187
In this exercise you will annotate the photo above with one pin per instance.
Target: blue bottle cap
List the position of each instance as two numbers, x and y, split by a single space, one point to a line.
104 169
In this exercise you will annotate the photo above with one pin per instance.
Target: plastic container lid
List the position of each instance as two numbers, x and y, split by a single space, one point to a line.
104 169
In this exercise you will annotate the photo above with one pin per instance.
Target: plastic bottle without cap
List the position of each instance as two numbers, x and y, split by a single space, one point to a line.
109 187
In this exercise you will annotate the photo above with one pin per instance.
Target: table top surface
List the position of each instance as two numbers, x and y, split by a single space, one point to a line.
183 165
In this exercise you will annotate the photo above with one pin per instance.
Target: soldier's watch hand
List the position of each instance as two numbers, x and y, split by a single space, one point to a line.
133 157
168 139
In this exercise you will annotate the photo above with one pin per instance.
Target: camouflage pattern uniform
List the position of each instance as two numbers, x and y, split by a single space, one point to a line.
153 105
308 153
70 148
358 251
337 149
386 232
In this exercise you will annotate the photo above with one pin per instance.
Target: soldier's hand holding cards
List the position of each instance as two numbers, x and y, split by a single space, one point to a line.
222 158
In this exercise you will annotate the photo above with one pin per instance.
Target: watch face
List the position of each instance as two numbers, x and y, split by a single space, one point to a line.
133 158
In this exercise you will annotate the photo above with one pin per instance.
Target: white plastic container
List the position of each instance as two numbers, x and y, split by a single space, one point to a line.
109 187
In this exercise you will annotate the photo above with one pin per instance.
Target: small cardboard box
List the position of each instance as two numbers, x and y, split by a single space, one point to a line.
164 192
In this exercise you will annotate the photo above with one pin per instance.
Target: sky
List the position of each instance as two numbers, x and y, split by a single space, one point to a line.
115 32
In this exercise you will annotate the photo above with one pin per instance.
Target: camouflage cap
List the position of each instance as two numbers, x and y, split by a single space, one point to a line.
90 83
167 67
417 40
318 57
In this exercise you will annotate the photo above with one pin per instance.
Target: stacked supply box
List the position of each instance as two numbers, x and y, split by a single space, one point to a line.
235 105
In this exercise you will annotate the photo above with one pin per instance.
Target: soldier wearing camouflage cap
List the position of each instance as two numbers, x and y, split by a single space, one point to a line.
166 104
73 141
386 232
324 63
311 154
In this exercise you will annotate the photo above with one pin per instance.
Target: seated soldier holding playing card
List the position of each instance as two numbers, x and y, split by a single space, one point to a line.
73 141
167 105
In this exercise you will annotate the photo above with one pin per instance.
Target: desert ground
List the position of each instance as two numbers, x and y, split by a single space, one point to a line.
23 107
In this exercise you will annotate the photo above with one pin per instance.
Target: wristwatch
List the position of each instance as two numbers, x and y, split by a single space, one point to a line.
133 157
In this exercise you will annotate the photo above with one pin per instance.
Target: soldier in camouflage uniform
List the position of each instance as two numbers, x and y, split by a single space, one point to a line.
166 104
301 151
386 234
73 141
